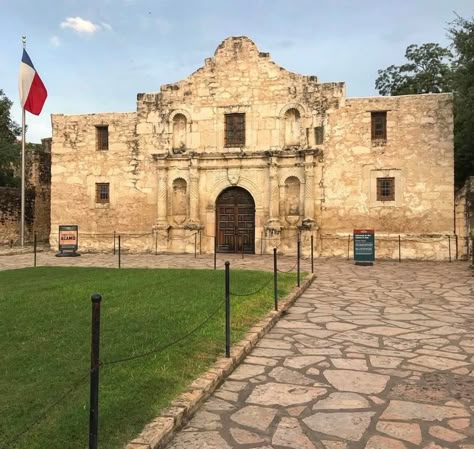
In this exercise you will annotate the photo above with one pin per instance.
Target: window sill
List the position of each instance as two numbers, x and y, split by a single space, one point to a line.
102 205
384 204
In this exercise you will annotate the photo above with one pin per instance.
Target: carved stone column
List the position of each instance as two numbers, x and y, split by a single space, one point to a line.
309 188
273 226
162 200
281 205
194 221
273 194
193 195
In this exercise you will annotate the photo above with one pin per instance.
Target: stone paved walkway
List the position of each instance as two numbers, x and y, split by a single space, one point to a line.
8 262
369 357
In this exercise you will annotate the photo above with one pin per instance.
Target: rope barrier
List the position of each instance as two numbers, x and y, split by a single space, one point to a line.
288 271
254 292
181 238
168 345
13 440
293 237
135 235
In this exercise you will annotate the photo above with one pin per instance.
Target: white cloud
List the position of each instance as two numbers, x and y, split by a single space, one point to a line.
80 25
54 41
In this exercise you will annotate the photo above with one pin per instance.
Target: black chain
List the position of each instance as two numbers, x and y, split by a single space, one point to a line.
168 345
254 292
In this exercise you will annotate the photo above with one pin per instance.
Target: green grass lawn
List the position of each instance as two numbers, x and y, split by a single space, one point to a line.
45 316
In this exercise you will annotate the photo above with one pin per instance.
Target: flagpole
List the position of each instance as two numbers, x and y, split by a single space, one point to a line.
23 132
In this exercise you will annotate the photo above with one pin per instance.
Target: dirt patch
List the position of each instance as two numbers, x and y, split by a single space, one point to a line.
435 388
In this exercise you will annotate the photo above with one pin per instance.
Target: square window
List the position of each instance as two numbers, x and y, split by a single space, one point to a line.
234 130
102 192
319 135
385 189
379 125
102 133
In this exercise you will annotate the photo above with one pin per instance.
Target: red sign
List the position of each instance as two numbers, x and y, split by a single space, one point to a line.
68 238
364 231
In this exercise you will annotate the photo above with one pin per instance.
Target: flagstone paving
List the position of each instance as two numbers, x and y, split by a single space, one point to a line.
129 260
368 358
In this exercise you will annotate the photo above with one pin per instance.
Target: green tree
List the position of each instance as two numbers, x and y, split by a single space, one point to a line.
10 148
462 34
428 70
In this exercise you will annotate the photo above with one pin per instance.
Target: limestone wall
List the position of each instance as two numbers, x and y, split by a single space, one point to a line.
392 246
240 79
418 153
77 166
464 203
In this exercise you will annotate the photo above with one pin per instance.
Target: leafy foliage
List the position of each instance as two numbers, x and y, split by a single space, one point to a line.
9 146
462 35
434 69
428 70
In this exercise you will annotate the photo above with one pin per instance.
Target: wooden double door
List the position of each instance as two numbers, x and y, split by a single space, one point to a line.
235 221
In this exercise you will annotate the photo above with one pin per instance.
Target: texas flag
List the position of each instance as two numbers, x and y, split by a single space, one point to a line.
32 91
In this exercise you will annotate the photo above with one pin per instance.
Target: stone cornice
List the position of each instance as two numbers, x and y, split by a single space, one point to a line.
192 155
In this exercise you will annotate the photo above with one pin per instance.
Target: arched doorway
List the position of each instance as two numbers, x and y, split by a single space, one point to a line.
235 218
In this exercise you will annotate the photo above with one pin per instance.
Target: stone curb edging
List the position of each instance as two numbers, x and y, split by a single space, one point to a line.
161 430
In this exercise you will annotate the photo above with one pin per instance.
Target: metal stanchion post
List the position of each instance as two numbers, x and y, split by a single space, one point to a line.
312 255
449 247
298 259
195 245
348 247
94 382
456 248
119 252
34 249
114 243
472 251
399 248
275 277
227 309
215 252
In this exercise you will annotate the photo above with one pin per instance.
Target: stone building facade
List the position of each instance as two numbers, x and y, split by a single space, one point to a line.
464 206
249 156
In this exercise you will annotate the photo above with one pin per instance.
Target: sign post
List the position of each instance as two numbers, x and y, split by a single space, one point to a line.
68 241
364 246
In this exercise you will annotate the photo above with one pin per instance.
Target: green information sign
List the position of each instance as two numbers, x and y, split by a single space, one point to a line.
364 246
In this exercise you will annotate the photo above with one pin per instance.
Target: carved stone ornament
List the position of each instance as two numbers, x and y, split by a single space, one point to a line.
273 227
308 224
292 219
233 175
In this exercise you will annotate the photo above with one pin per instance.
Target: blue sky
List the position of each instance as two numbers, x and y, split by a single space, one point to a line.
96 55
